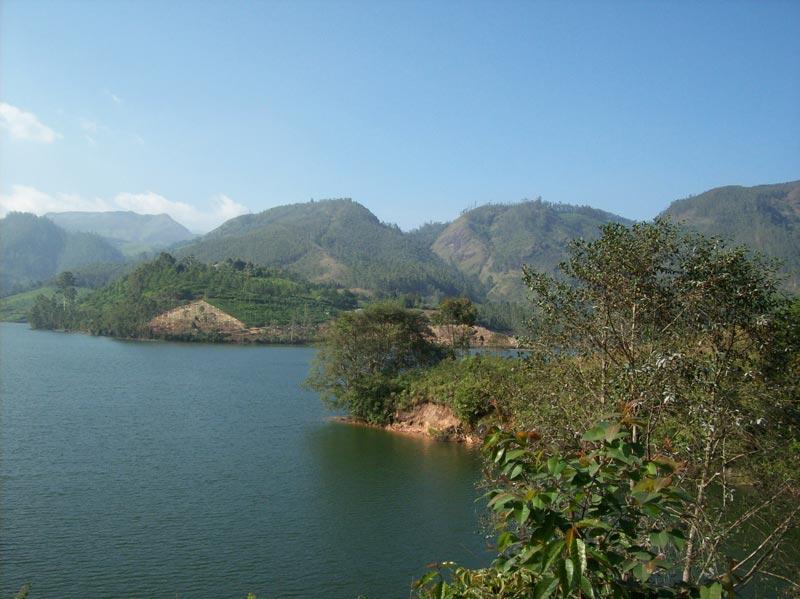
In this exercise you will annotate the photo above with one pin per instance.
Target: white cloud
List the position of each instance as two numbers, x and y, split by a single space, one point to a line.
114 97
29 199
197 220
25 125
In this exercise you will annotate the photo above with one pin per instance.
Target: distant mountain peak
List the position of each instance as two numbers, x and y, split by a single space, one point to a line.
125 228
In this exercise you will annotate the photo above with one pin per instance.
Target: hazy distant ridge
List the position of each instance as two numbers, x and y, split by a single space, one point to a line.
33 249
154 230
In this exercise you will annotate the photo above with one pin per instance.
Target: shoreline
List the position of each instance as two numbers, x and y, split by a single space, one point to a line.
422 433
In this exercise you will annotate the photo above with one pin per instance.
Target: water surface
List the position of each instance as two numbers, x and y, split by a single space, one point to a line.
140 469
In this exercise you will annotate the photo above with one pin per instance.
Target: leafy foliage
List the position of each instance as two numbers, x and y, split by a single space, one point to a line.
493 242
765 218
363 355
605 521
256 295
456 316
685 331
477 388
690 340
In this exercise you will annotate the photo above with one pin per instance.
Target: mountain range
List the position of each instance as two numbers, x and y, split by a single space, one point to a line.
34 249
764 217
130 232
479 254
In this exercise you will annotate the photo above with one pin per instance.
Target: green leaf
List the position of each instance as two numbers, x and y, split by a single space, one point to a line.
568 579
586 587
712 591
552 552
513 455
521 513
545 587
596 432
678 539
426 579
580 548
505 539
498 501
660 539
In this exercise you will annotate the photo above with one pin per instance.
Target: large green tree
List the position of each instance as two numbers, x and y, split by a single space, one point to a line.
363 354
686 332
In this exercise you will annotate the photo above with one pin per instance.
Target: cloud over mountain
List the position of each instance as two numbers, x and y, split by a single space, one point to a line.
24 198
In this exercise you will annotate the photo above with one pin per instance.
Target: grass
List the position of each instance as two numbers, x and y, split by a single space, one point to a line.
14 308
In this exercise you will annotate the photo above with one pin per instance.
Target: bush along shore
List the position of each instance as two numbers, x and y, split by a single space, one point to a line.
644 446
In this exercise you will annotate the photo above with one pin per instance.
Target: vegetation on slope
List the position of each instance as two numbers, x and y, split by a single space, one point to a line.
33 249
493 242
688 346
338 241
257 296
15 308
765 218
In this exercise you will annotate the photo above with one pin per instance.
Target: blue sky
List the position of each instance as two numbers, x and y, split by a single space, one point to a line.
415 109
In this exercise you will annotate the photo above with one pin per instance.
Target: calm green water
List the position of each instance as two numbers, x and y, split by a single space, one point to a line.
177 470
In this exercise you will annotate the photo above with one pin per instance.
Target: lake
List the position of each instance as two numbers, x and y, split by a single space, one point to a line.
149 469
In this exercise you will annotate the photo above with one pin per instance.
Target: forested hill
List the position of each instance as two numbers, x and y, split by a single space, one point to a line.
765 217
493 242
33 249
257 296
131 232
336 241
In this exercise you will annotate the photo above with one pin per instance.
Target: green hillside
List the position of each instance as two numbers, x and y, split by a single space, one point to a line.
258 296
765 217
33 249
493 242
15 308
335 241
130 232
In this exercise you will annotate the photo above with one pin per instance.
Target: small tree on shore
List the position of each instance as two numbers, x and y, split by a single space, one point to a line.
362 354
457 317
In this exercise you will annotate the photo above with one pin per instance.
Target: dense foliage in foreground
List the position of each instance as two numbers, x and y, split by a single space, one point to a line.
604 521
692 342
257 296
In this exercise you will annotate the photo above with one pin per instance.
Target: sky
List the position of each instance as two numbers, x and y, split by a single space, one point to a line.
418 110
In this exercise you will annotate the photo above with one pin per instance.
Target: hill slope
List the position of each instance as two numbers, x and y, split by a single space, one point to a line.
765 217
493 242
335 241
128 230
33 249
255 296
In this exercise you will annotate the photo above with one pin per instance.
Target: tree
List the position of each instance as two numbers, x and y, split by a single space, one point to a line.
457 316
362 354
683 330
65 284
